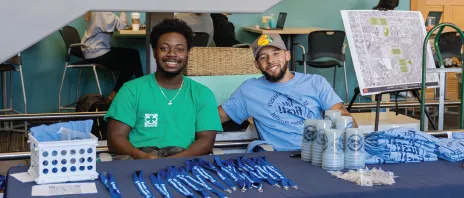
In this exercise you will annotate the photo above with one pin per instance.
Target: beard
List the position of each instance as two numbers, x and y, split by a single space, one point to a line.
277 77
168 74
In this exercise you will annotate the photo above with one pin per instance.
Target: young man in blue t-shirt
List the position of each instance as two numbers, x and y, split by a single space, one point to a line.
280 101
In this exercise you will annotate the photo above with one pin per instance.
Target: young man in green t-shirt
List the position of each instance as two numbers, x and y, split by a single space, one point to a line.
165 113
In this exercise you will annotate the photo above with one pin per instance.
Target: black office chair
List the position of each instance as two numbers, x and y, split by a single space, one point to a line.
450 45
73 45
200 39
13 64
325 44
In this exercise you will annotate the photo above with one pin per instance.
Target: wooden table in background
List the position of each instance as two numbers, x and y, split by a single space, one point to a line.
387 120
130 33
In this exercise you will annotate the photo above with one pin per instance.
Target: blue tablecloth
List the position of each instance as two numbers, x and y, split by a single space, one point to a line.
427 179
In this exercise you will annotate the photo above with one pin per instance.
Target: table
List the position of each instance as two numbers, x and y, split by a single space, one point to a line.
427 179
289 33
130 33
387 120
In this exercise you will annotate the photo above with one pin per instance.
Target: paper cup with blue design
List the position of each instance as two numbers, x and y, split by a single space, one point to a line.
332 115
320 141
333 155
309 135
354 148
344 122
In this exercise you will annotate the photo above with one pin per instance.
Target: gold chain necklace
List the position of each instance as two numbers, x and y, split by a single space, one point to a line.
170 101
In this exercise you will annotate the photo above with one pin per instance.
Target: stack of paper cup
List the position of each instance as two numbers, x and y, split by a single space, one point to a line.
344 122
320 141
333 155
332 115
309 134
354 149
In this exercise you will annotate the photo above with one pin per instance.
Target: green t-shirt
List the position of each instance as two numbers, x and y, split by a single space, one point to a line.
141 105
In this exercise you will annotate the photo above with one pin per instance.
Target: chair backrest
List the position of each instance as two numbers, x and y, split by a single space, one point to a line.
200 39
326 44
71 36
15 60
218 61
450 45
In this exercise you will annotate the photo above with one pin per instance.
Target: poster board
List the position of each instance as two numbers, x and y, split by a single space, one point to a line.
386 48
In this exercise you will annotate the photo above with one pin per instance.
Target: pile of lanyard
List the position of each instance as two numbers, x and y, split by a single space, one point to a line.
236 174
2 182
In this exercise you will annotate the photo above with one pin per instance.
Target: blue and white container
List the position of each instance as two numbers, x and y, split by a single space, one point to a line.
354 149
309 135
333 155
344 122
332 115
320 141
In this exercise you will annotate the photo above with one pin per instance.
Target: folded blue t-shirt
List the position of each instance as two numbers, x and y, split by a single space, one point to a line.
45 133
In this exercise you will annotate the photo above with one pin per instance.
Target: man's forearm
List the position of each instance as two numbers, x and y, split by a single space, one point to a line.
345 112
122 146
355 125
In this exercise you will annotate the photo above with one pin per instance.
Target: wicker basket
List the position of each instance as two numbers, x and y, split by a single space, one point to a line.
216 61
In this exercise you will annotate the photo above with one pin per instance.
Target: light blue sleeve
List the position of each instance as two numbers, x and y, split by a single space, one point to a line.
109 22
327 96
235 106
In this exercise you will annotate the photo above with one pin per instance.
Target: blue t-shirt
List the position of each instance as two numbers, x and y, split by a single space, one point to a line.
280 109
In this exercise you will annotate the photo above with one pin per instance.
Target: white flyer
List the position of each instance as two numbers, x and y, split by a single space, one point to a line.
23 177
64 189
387 49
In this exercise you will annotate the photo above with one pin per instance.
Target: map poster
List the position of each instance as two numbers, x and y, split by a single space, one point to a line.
386 48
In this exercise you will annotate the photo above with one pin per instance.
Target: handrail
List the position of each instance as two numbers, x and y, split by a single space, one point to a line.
89 115
218 144
51 116
441 27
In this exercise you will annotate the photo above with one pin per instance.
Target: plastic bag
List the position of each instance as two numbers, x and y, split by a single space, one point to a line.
68 134
366 177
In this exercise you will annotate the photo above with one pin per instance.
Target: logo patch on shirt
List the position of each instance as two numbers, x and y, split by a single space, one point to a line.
151 120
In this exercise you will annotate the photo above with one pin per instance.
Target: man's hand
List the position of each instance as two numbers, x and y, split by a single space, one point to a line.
344 111
149 156
203 145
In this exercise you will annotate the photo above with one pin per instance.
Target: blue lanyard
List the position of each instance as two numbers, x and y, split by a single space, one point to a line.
214 191
180 174
159 183
243 179
140 183
219 172
199 181
249 174
285 181
271 179
242 164
2 182
255 182
172 179
229 171
200 173
108 180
